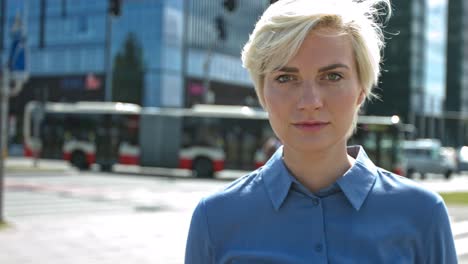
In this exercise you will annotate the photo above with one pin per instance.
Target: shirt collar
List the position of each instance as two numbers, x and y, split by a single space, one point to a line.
356 183
275 176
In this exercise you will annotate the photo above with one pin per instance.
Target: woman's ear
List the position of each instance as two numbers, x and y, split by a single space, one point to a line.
362 97
265 106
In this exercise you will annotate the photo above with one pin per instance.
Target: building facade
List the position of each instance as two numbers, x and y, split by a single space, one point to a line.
435 71
229 83
456 105
67 42
401 86
457 57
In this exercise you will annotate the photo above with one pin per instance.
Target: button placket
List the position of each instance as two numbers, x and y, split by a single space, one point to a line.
318 247
316 201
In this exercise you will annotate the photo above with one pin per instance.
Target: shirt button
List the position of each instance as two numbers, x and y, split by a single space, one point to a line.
315 201
319 247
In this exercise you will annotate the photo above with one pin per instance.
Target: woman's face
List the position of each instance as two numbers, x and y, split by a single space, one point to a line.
313 99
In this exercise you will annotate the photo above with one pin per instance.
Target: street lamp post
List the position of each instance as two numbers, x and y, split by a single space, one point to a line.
209 95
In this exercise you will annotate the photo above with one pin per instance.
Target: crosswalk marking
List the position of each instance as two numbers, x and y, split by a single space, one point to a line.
460 233
459 228
461 245
23 204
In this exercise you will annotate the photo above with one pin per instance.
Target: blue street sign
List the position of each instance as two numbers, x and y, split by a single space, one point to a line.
17 56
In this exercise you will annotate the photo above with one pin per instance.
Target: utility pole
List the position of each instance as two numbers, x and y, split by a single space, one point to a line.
3 136
108 58
14 72
185 32
113 10
208 94
3 110
2 27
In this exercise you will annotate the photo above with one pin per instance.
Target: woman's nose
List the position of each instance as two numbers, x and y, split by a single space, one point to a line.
310 96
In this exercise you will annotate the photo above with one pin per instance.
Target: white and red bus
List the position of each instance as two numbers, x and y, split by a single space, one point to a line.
83 133
204 139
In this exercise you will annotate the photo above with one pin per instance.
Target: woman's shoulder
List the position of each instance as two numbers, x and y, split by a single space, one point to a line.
243 189
405 190
235 204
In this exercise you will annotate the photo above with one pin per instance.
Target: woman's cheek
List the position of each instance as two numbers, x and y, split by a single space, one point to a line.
279 92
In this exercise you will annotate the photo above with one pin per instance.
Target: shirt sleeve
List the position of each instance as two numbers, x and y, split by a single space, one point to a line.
441 246
198 248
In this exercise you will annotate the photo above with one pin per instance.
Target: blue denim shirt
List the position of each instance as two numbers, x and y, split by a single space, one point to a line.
368 216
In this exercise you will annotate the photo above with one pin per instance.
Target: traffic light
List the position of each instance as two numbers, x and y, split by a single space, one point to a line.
221 27
230 5
115 7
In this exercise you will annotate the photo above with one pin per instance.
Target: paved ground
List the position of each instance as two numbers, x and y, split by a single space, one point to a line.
119 238
58 215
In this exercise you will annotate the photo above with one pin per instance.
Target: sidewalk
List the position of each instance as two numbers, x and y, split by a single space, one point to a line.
110 239
23 164
458 183
137 238
455 184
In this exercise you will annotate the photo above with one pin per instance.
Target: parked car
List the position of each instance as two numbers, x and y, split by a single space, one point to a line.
462 159
428 156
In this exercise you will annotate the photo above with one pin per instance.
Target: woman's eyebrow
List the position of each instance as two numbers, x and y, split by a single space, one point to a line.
288 69
323 69
333 66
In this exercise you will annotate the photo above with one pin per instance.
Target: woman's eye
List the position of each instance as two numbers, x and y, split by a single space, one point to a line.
285 78
333 76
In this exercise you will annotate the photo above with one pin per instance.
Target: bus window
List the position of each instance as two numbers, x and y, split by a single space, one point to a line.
51 134
129 129
382 142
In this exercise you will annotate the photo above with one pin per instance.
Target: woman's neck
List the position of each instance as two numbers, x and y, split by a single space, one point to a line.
317 170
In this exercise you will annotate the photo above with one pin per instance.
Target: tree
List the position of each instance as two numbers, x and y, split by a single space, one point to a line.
128 72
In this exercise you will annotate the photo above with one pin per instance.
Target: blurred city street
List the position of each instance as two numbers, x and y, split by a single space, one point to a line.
59 215
70 217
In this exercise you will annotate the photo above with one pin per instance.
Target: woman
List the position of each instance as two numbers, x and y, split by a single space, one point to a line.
313 63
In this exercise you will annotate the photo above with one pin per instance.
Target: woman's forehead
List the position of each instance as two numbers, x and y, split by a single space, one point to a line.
320 50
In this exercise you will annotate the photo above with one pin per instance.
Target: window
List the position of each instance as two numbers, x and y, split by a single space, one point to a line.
83 26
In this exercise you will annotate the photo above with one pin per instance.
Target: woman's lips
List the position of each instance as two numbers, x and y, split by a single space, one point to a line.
311 126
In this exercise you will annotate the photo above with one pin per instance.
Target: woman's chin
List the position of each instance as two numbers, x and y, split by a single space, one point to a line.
310 146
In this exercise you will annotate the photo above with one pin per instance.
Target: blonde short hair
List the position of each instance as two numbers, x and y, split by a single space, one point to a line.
283 27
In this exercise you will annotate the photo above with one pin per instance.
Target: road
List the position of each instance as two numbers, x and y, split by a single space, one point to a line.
98 218
115 218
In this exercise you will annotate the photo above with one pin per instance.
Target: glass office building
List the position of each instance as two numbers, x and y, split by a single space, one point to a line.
435 72
456 105
67 47
401 85
229 83
457 57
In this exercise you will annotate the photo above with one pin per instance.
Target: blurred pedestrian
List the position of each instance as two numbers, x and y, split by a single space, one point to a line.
270 146
313 63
